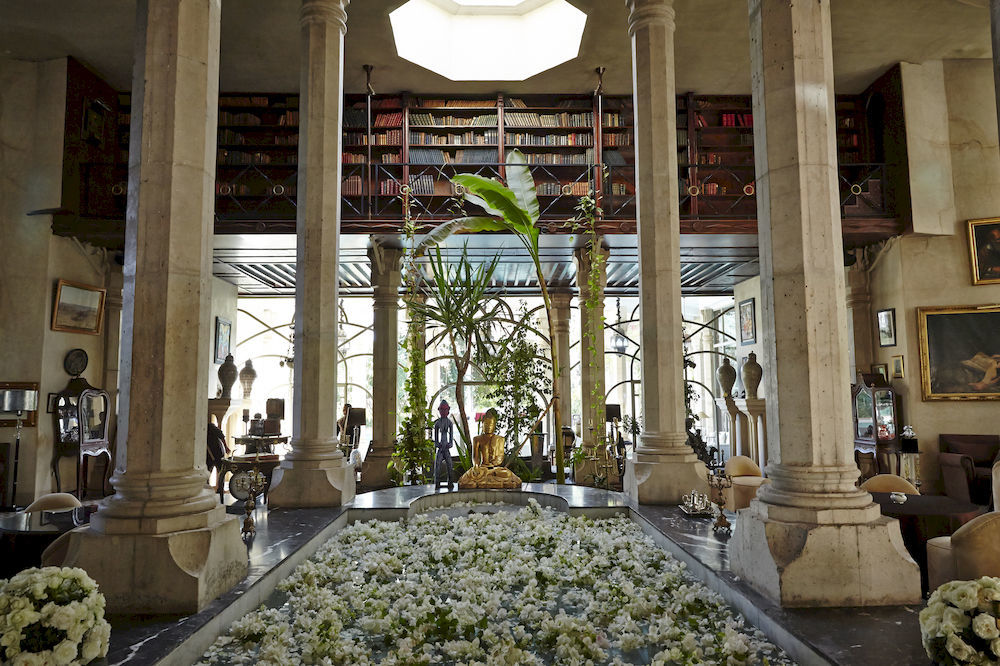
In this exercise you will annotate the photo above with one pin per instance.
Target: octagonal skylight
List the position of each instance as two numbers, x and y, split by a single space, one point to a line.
487 40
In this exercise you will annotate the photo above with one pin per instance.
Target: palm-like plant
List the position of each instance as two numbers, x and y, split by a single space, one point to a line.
462 308
511 208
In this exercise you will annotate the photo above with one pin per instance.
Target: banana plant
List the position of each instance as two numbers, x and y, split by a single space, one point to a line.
511 208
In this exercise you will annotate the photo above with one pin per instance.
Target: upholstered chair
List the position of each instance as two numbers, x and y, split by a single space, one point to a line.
747 478
966 463
972 551
889 483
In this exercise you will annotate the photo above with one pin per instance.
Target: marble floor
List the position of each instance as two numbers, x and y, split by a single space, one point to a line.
285 537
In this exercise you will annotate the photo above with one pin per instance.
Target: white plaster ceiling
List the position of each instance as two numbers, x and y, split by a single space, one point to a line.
260 40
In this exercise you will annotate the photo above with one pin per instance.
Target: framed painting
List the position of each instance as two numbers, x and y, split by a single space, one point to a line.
748 322
223 329
885 321
984 250
897 366
78 308
959 352
881 369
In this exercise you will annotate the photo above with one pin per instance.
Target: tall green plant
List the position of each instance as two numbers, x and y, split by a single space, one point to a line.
460 305
511 208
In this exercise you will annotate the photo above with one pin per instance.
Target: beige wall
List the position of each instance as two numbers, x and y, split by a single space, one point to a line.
915 271
32 99
741 292
224 296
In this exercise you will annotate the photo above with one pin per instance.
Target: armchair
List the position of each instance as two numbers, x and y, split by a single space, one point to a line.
967 466
747 478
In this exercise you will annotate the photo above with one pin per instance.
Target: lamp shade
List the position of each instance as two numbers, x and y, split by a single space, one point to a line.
18 400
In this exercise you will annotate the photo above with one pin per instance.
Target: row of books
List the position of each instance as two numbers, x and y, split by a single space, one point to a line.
476 138
387 103
390 138
552 189
518 103
617 189
290 118
521 119
239 157
455 103
523 139
353 158
231 137
388 119
486 120
473 156
616 139
254 100
726 120
352 186
560 158
612 119
355 118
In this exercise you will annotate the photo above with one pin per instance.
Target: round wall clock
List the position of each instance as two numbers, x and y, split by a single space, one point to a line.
75 362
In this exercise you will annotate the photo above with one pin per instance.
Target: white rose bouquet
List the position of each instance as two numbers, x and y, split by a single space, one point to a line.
959 625
53 615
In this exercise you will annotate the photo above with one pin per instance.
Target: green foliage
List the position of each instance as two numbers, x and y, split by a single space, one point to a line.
519 375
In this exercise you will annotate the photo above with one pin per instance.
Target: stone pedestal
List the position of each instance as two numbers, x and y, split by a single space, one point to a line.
386 278
753 416
664 467
315 472
163 543
737 424
811 537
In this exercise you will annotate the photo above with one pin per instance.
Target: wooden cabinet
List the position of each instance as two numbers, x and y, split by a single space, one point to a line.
81 429
875 406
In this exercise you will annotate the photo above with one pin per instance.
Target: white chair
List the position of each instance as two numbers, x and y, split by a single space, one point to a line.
54 502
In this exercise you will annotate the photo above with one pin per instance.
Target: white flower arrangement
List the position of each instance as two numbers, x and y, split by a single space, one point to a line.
526 587
959 624
52 615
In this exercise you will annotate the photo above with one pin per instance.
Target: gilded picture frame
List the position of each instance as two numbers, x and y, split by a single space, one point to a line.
78 308
959 352
747 321
984 250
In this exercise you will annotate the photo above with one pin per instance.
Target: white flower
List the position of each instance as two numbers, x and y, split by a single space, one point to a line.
963 594
65 653
954 620
959 649
985 626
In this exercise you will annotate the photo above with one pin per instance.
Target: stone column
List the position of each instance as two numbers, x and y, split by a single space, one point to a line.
163 543
315 472
114 283
664 467
859 301
811 538
386 278
560 333
592 377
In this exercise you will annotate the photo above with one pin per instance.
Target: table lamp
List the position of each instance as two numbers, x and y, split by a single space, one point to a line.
18 401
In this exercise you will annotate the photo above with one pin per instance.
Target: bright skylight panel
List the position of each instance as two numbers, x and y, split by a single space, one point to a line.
504 46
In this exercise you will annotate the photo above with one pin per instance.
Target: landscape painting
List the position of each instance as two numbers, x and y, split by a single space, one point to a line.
79 308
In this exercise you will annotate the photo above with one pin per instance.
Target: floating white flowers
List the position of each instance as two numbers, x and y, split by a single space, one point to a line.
527 587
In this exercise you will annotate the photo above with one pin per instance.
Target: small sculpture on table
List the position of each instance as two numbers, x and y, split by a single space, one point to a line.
249 530
696 504
718 484
443 438
488 470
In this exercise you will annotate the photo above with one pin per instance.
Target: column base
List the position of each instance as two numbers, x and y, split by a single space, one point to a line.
375 469
312 483
663 478
159 574
811 564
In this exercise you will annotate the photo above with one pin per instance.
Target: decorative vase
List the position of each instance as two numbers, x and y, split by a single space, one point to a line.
726 376
247 377
752 373
227 376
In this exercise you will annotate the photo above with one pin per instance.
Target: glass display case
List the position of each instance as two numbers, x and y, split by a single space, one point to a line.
81 429
876 419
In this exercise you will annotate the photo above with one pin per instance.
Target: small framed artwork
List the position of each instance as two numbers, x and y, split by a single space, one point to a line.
984 250
95 114
897 366
50 404
959 352
223 329
885 320
881 369
748 322
78 308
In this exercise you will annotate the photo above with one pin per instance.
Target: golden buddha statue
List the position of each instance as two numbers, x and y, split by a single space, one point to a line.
487 460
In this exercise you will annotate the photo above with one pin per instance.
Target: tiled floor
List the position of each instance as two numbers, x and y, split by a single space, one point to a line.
848 636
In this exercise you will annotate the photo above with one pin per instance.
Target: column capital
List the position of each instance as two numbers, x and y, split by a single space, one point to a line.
324 11
560 299
643 13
